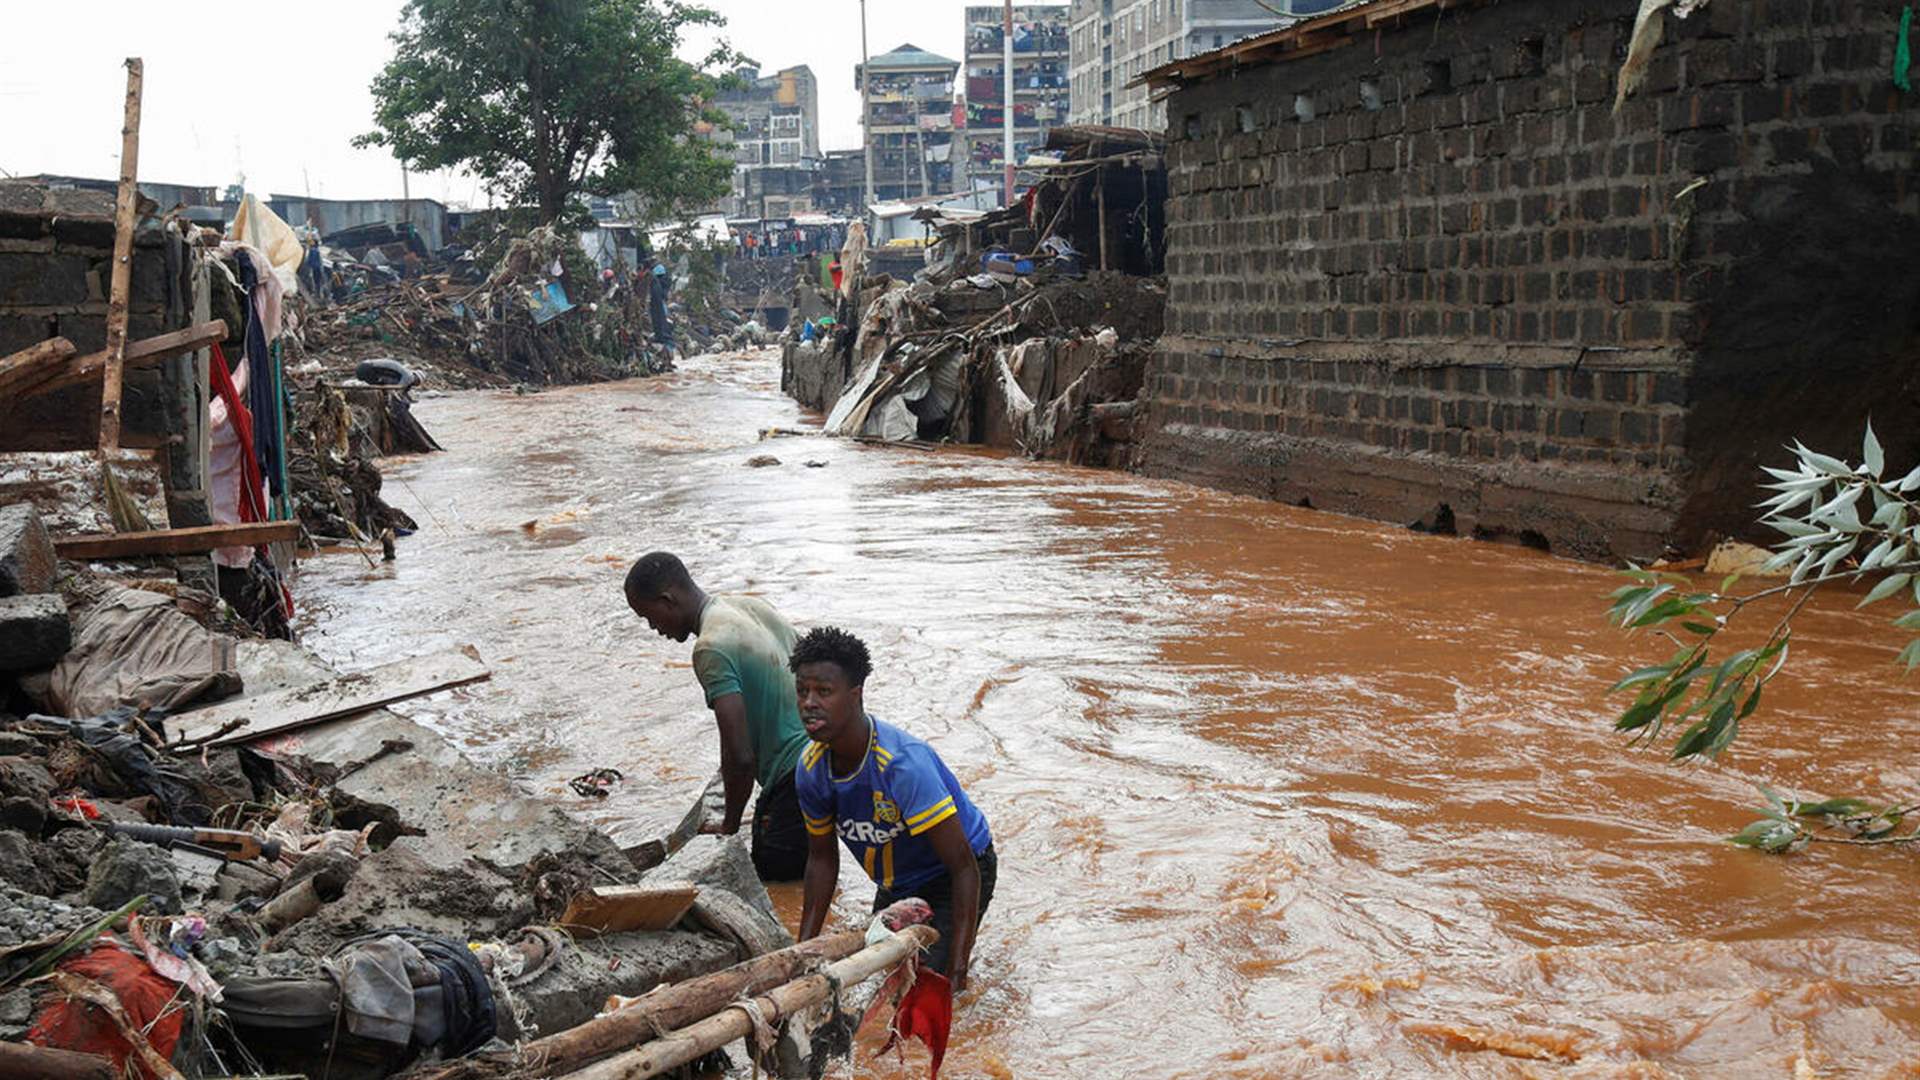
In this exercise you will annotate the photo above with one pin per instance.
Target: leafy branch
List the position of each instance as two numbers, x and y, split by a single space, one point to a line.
1819 508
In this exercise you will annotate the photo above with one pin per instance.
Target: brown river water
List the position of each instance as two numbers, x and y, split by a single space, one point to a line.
1276 793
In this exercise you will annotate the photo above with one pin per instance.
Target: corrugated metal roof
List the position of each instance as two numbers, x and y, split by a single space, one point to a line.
910 56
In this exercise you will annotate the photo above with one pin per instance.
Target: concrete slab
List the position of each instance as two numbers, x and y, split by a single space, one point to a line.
34 631
27 561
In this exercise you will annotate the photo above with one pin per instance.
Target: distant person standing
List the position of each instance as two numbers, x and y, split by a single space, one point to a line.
740 655
657 305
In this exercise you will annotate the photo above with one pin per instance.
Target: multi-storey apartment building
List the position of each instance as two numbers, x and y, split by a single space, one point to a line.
1113 41
910 122
1039 86
776 141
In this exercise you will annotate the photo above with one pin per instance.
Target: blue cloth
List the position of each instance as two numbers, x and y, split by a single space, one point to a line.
263 399
882 811
657 306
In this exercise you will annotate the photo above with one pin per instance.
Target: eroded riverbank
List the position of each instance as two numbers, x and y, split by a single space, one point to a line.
1277 793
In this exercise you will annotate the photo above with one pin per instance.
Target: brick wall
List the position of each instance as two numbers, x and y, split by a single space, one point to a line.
56 254
1434 269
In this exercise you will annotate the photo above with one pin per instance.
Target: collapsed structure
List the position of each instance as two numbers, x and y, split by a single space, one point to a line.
1032 330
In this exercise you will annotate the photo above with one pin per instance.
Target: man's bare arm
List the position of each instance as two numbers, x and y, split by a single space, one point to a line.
736 758
823 874
949 842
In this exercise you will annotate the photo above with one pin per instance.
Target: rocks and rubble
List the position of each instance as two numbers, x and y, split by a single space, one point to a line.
363 870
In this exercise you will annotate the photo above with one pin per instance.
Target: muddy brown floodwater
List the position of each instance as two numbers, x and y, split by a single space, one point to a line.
1277 793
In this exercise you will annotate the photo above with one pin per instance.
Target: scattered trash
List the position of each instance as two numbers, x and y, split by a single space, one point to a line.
594 784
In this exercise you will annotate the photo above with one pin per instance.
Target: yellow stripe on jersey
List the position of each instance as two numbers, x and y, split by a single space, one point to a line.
866 864
943 804
916 830
812 755
882 757
886 863
819 826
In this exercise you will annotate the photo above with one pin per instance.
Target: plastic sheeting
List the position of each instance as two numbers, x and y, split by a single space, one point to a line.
134 647
256 226
147 998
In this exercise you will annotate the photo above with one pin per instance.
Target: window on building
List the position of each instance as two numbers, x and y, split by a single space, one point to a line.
1217 41
1173 9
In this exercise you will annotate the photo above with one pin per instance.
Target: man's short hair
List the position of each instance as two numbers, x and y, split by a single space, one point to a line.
656 572
832 645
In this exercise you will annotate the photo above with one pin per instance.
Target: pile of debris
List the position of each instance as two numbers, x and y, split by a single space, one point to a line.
338 432
1019 336
544 315
218 857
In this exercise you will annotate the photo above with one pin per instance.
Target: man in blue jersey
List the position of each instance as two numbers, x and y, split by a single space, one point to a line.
891 801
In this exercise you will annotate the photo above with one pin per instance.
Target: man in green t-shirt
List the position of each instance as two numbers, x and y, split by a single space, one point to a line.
740 657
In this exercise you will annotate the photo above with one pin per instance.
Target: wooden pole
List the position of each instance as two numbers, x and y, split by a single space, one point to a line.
117 297
676 1048
31 361
146 352
25 1061
665 1009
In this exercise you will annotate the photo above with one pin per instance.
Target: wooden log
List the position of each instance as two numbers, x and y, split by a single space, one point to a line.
122 278
362 691
678 1047
33 362
143 353
664 1009
616 909
25 1061
174 541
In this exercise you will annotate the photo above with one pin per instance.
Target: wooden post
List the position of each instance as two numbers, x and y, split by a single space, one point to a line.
676 1048
124 215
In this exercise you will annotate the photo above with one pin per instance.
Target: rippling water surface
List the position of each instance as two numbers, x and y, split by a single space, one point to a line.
1277 793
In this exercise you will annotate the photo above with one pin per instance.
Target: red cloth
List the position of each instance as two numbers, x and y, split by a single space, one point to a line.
251 485
926 1013
143 993
250 482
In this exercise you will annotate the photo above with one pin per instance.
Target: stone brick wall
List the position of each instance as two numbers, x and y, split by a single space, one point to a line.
56 254
1433 276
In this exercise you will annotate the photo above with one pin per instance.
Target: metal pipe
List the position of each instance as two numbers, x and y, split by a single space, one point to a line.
1006 99
866 111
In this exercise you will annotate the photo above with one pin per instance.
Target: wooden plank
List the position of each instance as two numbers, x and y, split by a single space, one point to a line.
33 362
618 908
188 541
143 353
122 280
287 710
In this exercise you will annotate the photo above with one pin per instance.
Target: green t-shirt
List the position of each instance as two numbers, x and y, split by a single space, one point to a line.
743 649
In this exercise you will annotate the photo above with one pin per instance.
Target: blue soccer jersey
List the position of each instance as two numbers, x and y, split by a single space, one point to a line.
883 809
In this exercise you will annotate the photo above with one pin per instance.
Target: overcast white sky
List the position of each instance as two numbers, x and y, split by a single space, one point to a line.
275 89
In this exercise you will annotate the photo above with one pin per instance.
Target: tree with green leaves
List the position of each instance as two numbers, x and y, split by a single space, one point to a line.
1840 522
550 99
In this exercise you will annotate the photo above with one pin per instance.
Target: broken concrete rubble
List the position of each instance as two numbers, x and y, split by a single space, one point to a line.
27 562
34 632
